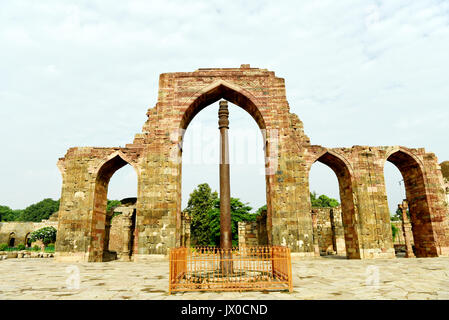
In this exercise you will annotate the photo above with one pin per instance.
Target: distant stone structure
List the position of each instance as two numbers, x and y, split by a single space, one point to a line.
330 231
253 233
155 154
18 232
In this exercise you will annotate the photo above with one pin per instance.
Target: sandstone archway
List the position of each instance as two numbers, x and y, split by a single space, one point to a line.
204 98
418 202
100 223
344 174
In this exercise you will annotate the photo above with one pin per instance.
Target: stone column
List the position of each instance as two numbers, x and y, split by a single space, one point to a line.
127 223
225 189
406 229
316 245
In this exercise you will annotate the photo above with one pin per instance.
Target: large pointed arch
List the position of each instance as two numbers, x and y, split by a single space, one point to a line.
418 202
233 93
218 90
344 173
98 238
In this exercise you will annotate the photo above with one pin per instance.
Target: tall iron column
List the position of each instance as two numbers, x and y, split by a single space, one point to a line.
225 189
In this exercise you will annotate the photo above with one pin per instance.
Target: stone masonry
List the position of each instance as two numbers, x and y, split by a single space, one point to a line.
156 155
330 231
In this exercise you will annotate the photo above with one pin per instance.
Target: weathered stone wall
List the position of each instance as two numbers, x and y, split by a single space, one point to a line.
248 234
254 233
116 233
156 156
185 229
330 231
21 230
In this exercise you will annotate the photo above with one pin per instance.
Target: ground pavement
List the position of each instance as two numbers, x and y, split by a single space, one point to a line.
318 278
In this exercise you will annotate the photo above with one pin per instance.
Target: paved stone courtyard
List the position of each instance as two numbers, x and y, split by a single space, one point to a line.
321 278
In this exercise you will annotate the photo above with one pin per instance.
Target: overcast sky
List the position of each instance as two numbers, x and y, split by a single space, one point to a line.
84 73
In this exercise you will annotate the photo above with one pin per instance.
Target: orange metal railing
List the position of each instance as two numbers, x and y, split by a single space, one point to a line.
253 268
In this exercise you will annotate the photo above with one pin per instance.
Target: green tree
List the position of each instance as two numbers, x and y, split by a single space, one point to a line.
39 211
398 215
112 203
239 212
46 235
394 230
8 214
322 201
262 208
201 201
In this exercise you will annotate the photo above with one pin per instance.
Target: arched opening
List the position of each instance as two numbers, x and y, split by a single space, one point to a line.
200 150
223 91
104 210
418 207
347 211
27 240
12 240
394 185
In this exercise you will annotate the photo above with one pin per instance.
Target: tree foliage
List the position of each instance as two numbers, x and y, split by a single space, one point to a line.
398 215
46 235
239 212
262 208
35 212
201 201
204 209
322 201
40 211
8 214
112 203
394 230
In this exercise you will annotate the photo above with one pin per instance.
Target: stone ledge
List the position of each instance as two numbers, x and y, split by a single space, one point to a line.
24 254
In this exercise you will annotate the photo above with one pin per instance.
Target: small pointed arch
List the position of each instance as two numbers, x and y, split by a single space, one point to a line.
335 161
218 90
403 158
112 163
98 248
414 178
344 173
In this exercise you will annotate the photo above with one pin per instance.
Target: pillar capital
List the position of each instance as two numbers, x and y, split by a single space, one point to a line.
223 115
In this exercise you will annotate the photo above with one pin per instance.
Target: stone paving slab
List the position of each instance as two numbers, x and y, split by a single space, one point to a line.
318 278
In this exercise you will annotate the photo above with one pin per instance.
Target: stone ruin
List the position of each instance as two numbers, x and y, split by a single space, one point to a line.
15 233
156 155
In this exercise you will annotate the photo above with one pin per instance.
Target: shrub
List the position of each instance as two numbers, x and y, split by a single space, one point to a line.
3 246
21 247
395 231
50 248
36 248
46 235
